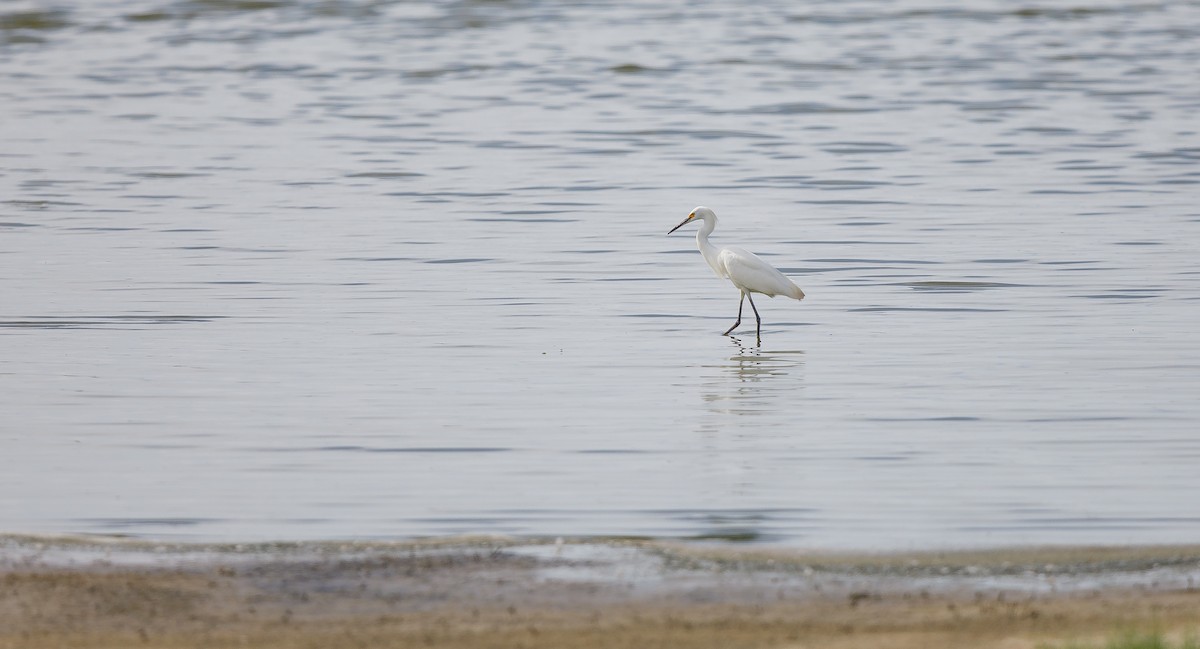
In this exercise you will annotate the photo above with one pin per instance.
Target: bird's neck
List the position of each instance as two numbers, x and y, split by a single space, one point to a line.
708 250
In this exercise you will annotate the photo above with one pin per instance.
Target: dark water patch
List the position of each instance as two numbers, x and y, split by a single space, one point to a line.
868 280
153 197
846 242
1099 145
12 24
950 418
274 69
1046 130
262 250
461 260
529 212
848 148
742 535
17 224
851 184
634 68
847 201
383 175
1043 526
1089 167
149 16
600 152
784 180
446 196
254 121
516 220
1119 296
807 108
379 118
716 517
1080 418
955 14
881 262
484 522
591 188
1139 520
402 449
103 321
24 204
617 451
956 286
166 174
194 8
1123 93
1138 243
511 144
793 64
375 259
868 309
434 73
1000 260
125 523
884 458
993 106
698 134
1183 155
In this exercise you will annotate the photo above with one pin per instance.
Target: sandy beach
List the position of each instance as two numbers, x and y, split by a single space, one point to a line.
494 592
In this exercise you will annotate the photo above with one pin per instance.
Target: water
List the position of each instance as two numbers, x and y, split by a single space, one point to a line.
315 270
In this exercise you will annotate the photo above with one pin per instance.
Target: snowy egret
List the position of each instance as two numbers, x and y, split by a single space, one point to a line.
747 272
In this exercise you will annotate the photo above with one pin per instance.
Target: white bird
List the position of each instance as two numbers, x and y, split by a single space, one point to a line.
747 272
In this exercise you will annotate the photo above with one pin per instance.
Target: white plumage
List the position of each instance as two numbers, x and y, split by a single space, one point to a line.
741 267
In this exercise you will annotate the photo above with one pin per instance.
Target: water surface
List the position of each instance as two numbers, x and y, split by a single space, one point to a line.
310 269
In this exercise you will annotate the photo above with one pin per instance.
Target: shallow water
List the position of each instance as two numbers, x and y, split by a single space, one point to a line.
362 270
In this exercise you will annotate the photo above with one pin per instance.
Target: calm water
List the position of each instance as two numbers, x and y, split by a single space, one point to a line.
327 269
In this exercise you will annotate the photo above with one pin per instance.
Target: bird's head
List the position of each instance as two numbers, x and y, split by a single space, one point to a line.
698 214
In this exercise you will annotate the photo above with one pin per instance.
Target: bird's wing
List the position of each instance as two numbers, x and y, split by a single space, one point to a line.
748 272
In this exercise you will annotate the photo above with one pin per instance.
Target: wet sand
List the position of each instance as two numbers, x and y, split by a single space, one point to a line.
69 592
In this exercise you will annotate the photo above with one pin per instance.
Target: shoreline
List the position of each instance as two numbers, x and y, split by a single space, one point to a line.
70 591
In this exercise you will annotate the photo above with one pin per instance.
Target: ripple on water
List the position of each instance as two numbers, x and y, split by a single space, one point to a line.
123 321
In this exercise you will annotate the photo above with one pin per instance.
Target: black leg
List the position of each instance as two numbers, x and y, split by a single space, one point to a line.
758 320
739 320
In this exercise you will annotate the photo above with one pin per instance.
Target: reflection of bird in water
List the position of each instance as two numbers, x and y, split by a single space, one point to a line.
747 272
752 364
754 382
